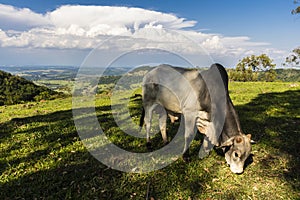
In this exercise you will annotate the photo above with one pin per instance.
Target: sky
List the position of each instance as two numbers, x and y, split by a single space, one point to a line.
72 33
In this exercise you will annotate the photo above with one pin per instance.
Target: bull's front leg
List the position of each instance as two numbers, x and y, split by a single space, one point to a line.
209 141
205 148
189 133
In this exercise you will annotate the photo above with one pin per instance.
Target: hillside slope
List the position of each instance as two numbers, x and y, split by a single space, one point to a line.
15 89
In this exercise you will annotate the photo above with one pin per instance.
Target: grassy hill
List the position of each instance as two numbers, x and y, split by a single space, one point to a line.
15 89
42 156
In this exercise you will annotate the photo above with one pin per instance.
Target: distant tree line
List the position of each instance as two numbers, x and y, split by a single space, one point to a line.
15 89
254 68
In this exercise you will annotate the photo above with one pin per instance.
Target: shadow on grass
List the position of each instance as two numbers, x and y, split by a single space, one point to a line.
274 120
71 172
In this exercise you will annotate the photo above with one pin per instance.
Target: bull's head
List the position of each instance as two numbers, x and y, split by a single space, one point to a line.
238 149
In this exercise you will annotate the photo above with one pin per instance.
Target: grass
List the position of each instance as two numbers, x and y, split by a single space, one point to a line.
42 157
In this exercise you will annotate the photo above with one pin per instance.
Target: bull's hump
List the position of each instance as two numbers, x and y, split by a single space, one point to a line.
176 69
192 74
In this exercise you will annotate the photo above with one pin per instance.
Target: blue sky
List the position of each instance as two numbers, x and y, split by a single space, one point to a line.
228 29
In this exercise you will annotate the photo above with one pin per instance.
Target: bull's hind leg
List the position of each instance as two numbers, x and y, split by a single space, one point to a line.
148 119
163 124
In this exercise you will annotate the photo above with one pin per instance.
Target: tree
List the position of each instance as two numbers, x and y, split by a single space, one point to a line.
296 10
294 58
247 69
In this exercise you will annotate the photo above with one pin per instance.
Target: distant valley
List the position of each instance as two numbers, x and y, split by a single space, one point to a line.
61 78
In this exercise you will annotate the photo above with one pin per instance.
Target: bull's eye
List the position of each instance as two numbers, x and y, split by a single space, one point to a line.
236 154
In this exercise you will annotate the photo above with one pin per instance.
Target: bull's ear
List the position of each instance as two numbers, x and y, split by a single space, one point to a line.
251 141
228 142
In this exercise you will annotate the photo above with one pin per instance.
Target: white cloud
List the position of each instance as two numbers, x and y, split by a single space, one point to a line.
20 19
124 18
81 26
84 27
213 43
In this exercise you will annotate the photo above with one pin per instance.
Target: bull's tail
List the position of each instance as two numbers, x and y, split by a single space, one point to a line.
142 118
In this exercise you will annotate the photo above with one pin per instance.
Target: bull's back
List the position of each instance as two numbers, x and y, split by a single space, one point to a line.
168 86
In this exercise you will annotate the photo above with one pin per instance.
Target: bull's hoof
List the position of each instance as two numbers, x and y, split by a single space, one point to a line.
149 146
203 153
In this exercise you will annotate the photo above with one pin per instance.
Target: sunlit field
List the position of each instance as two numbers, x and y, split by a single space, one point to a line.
42 156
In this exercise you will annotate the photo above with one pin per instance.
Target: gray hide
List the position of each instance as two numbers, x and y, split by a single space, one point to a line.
203 101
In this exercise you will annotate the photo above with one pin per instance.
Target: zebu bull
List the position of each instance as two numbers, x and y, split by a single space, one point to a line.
203 101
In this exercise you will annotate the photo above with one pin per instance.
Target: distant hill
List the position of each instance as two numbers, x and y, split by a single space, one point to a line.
15 89
288 75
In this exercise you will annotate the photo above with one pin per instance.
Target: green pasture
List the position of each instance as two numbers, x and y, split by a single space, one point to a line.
64 86
42 156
